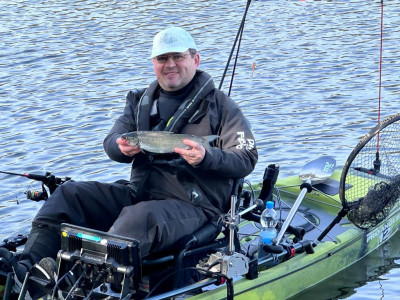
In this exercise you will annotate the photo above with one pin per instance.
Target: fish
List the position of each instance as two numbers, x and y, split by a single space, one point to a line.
161 142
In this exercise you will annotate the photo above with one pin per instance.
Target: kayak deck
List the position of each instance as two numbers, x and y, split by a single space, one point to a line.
344 245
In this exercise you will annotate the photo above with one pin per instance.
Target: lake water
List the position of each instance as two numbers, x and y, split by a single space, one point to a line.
66 66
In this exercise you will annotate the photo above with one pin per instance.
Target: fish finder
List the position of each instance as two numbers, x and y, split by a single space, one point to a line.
101 263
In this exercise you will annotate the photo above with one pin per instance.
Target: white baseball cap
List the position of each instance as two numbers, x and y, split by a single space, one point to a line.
172 39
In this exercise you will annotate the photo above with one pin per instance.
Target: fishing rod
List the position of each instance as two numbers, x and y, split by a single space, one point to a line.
376 164
377 161
380 66
238 38
29 176
49 180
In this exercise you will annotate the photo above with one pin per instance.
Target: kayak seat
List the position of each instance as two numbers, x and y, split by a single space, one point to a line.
177 265
175 268
201 237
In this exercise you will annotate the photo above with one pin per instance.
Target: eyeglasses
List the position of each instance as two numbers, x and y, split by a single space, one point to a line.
178 57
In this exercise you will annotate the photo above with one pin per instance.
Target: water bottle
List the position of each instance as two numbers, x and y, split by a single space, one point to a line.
268 220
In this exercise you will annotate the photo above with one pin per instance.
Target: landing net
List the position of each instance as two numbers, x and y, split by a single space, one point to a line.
370 182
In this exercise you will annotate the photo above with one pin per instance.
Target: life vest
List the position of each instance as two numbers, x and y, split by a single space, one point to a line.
190 111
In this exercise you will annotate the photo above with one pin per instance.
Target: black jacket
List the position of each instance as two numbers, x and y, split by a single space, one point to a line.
207 111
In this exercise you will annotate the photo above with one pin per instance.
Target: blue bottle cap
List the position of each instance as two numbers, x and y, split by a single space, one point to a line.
270 204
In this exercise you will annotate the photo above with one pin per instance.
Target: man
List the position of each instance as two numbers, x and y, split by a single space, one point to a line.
170 195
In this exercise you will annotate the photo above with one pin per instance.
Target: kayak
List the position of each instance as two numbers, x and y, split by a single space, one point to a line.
283 277
329 218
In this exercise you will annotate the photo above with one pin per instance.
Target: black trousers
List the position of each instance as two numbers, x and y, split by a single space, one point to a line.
157 224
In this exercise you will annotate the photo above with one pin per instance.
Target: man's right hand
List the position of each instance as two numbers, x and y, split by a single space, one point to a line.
127 149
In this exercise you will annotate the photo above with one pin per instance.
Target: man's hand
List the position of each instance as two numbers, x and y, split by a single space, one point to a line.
194 155
127 149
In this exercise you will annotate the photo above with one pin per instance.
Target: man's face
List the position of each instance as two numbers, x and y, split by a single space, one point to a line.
175 70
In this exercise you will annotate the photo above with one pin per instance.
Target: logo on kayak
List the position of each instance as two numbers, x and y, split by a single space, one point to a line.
248 144
384 231
328 167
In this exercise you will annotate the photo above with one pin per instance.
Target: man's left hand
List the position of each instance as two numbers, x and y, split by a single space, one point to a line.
194 155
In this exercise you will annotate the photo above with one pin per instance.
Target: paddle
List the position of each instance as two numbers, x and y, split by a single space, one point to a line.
314 172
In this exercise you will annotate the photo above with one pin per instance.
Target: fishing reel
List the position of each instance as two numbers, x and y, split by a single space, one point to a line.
48 180
36 195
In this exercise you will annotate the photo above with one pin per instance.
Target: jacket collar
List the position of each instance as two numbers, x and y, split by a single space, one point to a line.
191 109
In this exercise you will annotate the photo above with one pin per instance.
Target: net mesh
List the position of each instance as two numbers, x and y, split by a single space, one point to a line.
374 176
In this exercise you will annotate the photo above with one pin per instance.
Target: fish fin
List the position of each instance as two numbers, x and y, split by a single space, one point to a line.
210 138
207 140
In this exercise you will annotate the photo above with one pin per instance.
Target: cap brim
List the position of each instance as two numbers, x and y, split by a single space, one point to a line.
169 50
